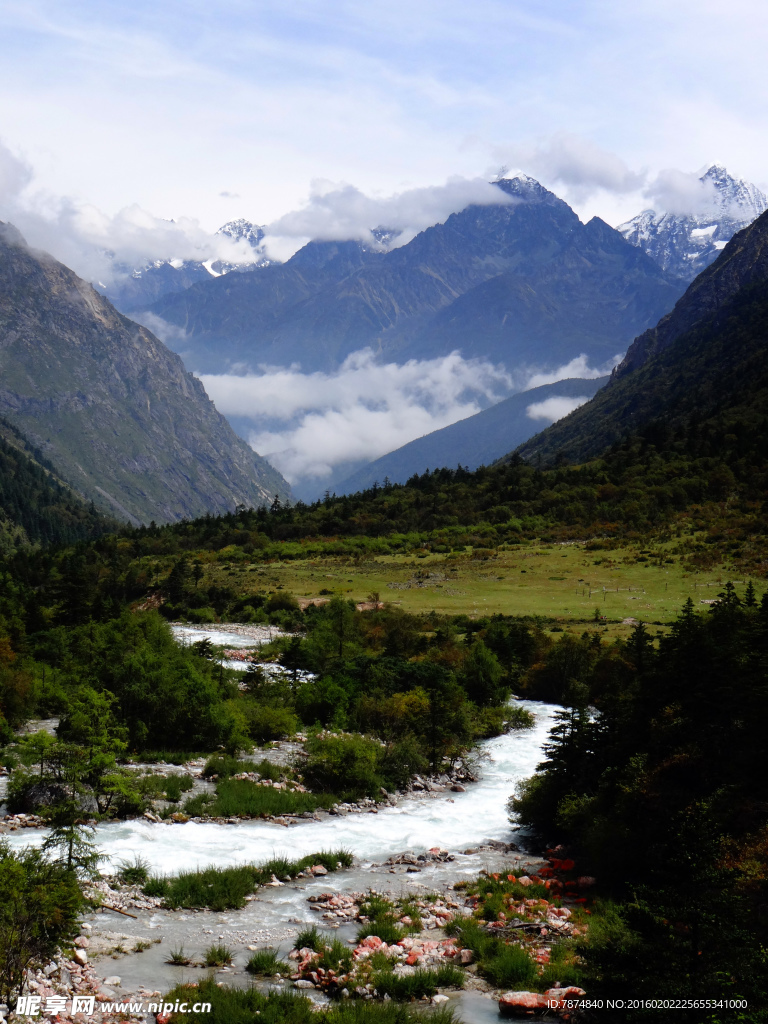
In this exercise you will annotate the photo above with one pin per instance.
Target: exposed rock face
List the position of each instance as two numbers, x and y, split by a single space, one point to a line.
685 244
109 404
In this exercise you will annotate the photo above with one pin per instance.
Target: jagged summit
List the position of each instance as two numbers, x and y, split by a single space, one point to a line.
684 244
134 288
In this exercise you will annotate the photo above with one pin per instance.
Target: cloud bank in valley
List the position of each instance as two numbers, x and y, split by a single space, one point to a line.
308 424
554 408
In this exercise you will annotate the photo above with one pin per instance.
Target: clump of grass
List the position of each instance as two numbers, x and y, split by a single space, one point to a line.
141 945
335 956
134 873
226 888
175 785
217 956
244 799
155 887
178 958
267 962
267 770
385 927
509 966
225 765
418 984
310 938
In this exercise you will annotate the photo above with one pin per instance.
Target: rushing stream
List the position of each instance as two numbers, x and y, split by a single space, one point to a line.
453 821
450 820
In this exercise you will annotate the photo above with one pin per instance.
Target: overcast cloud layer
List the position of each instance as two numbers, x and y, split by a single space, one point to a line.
209 111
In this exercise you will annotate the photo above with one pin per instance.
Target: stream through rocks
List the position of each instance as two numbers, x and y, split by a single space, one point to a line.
473 827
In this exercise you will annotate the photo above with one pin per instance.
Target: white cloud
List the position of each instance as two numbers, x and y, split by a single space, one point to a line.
573 163
578 367
554 408
340 211
307 424
680 192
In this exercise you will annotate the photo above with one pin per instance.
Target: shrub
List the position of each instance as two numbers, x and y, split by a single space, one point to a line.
344 764
224 765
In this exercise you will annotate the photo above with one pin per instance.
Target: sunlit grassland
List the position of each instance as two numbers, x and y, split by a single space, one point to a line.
551 581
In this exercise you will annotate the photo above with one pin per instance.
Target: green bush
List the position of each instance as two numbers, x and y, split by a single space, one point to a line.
344 764
175 785
241 798
217 956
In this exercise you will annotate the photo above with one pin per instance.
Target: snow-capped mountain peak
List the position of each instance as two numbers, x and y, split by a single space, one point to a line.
684 243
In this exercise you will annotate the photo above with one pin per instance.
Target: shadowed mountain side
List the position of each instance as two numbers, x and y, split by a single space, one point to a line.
742 262
476 441
715 371
111 407
520 282
36 506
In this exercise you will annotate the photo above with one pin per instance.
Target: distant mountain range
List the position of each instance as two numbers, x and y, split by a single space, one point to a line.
475 441
522 282
109 405
685 244
702 371
134 288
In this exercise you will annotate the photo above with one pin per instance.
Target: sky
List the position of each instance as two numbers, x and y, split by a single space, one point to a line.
319 117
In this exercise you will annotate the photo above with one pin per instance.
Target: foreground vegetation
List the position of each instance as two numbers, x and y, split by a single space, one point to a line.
249 1006
227 888
662 795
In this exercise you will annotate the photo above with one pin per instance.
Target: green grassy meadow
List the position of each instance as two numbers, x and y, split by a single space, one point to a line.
560 582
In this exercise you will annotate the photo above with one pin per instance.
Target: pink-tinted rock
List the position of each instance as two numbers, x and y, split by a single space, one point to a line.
371 942
514 1002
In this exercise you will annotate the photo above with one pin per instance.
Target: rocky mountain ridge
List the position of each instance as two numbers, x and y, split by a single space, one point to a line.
109 405
520 282
704 361
134 288
685 244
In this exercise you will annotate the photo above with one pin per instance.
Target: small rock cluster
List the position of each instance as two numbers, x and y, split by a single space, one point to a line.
111 893
13 822
65 978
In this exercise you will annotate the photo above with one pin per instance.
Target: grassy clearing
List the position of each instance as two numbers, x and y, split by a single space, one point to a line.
249 1006
552 581
227 888
243 799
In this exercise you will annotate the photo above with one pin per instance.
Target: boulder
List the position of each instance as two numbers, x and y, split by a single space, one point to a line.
512 1003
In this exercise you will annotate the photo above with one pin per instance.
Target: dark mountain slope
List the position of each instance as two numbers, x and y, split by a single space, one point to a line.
109 404
476 441
518 282
36 507
705 363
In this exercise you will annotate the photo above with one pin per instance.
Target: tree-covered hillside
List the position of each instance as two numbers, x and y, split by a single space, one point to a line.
36 507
